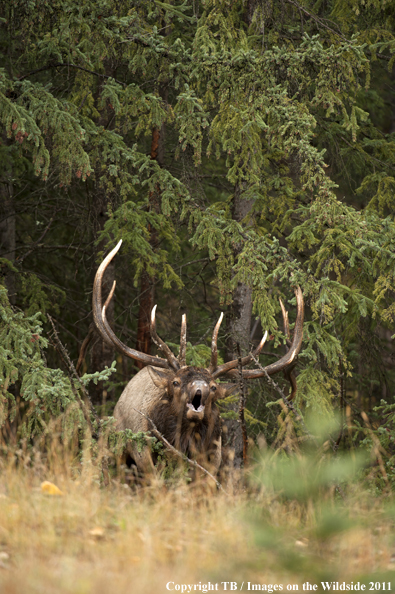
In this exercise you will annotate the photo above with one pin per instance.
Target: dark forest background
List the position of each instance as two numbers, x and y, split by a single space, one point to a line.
238 148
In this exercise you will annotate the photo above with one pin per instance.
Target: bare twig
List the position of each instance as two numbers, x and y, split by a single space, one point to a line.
73 336
194 262
321 23
316 19
203 338
378 448
83 405
72 369
286 401
335 445
84 346
163 439
44 246
36 243
60 64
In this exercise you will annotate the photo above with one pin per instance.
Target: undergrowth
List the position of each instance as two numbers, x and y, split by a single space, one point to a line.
295 515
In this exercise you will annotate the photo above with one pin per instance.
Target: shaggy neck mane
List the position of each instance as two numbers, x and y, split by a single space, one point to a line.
187 436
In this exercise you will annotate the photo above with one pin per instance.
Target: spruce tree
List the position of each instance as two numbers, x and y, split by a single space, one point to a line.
276 170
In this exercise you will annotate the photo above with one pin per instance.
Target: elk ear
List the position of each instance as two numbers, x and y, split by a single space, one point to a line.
226 390
160 377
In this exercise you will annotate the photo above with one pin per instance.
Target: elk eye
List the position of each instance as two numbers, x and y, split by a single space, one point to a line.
176 384
213 388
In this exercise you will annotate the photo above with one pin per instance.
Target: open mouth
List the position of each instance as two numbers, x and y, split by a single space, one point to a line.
196 404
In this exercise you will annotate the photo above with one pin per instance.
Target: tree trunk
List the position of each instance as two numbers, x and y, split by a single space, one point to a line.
147 283
7 229
238 327
239 313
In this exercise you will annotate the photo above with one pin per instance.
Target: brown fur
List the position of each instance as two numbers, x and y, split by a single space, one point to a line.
153 392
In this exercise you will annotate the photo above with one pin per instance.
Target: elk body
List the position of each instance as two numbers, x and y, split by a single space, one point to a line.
181 400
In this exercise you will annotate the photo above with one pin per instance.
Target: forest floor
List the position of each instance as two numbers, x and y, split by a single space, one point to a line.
160 537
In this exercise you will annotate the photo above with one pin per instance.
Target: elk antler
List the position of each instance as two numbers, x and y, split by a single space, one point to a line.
183 342
214 349
226 367
288 371
161 343
286 323
282 363
217 371
99 316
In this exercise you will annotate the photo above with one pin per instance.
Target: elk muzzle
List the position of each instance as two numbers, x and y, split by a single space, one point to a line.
197 391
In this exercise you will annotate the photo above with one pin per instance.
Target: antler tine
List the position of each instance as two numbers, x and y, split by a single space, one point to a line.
99 316
226 367
97 294
161 344
293 352
289 371
285 322
183 342
136 355
214 348
110 295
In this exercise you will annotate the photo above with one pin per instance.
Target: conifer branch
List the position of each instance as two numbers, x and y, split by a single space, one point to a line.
287 402
317 19
73 371
81 403
69 65
320 21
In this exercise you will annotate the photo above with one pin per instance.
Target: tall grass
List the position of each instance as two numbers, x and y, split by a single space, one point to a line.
288 519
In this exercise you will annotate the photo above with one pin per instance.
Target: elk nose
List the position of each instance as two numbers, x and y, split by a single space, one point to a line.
198 391
199 387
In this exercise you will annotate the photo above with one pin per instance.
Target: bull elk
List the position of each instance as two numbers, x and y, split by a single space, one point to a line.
180 399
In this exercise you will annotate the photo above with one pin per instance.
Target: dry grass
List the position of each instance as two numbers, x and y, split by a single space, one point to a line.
105 540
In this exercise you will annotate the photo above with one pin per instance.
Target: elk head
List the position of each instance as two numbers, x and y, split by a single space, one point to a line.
192 389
